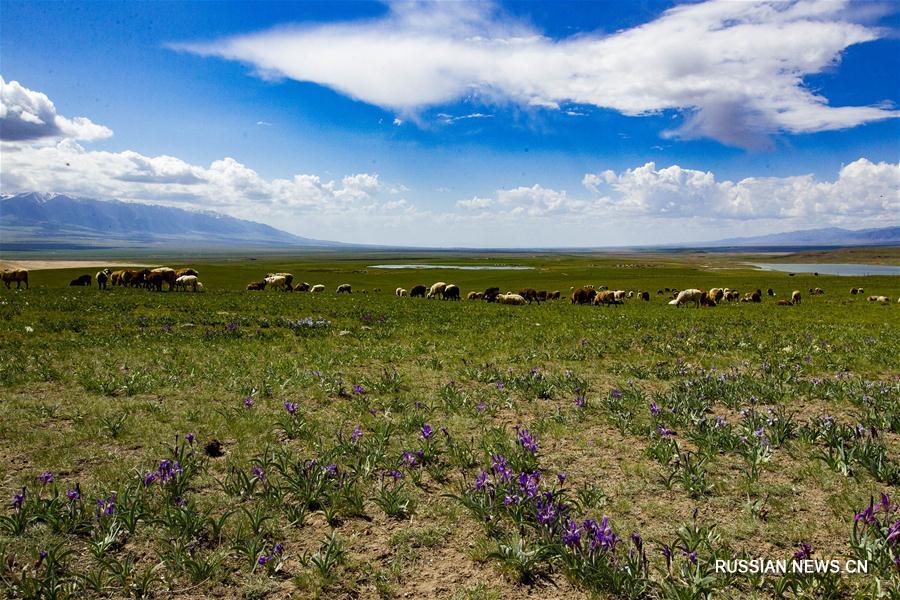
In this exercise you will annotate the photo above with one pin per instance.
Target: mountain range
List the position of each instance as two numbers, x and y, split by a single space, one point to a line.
35 221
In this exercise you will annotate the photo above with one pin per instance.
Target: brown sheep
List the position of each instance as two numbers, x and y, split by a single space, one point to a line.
770 292
167 275
83 280
474 296
529 294
117 277
583 296
607 298
491 293
542 295
256 286
188 271
451 292
554 295
20 276
795 297
854 291
645 296
784 303
302 287
418 291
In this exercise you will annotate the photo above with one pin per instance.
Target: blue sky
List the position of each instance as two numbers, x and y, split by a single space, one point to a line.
465 124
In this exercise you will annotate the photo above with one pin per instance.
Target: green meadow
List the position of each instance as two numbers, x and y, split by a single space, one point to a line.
268 444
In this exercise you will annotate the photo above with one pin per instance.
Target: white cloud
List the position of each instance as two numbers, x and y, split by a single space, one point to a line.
735 70
26 115
225 185
863 191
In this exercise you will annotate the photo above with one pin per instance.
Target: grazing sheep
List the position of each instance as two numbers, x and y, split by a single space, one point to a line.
102 277
659 292
706 300
607 298
490 294
400 292
288 280
166 275
619 294
645 296
188 271
302 287
317 288
474 296
186 280
436 290
554 295
752 297
784 303
770 292
630 294
510 298
882 299
529 294
418 291
20 276
716 294
583 296
256 286
276 282
685 296
199 287
542 295
854 291
818 291
82 280
344 288
861 291
795 297
451 292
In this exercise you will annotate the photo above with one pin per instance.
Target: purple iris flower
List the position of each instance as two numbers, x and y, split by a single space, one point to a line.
73 494
358 389
45 478
291 407
654 408
19 499
571 534
248 402
526 440
426 431
805 552
357 433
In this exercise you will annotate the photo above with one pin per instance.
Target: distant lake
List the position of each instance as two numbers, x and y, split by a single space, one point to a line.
845 269
460 267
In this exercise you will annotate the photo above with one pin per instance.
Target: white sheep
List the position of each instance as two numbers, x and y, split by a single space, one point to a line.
436 290
684 296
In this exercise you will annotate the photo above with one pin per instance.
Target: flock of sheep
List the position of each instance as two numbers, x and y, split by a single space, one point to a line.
188 278
152 279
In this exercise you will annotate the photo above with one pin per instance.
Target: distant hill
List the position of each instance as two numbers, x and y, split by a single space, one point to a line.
828 236
34 220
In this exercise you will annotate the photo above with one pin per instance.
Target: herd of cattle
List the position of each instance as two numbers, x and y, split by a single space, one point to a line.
188 278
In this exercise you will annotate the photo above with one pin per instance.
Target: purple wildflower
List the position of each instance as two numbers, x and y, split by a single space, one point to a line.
258 472
248 402
357 433
616 394
805 551
358 389
291 407
481 406
654 408
526 440
426 431
481 480
74 494
190 438
571 534
45 478
579 401
19 499
500 385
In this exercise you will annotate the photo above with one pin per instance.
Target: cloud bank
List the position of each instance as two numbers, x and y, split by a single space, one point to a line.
645 204
734 70
26 115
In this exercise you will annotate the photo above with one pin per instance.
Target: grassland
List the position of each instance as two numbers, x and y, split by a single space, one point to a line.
240 444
